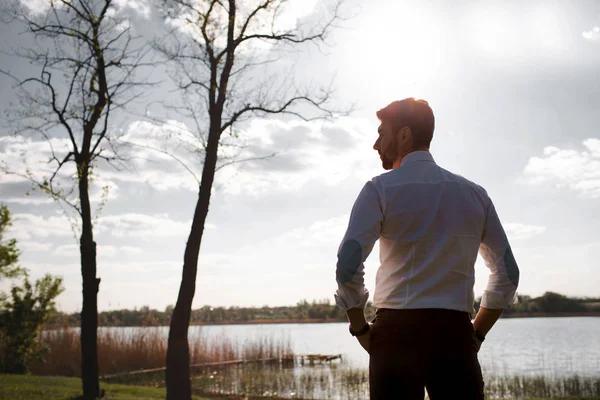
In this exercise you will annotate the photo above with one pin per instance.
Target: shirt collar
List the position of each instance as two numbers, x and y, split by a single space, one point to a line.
421 155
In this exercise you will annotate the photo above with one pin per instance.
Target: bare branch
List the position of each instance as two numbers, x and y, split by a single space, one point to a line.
292 36
230 56
60 164
239 161
212 61
282 109
46 81
169 154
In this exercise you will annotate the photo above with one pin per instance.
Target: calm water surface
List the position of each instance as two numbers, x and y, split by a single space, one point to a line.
525 346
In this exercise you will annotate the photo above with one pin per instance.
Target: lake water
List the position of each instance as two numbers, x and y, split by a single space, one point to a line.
548 346
553 347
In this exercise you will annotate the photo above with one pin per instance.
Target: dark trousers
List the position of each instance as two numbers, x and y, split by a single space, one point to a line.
411 350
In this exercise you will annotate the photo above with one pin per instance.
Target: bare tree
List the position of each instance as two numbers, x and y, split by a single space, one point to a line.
88 60
222 50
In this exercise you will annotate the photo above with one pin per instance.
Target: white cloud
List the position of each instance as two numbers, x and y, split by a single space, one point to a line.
27 246
320 152
140 7
567 269
306 253
72 250
130 250
28 200
517 231
593 35
142 226
107 251
67 250
306 152
145 144
38 6
576 170
320 233
68 271
25 156
126 269
26 226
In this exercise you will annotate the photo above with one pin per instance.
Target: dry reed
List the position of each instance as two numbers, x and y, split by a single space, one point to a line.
130 349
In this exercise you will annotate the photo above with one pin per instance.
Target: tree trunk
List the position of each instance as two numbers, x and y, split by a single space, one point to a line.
91 284
178 355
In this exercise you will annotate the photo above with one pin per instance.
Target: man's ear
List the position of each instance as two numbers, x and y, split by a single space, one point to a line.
405 133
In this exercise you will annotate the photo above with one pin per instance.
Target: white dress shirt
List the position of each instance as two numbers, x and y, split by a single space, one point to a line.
431 224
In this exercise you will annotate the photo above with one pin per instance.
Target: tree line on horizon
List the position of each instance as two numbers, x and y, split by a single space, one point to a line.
314 311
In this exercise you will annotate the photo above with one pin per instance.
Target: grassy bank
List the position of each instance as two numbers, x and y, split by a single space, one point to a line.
28 387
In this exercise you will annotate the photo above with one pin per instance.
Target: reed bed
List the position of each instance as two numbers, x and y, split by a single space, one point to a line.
343 383
131 349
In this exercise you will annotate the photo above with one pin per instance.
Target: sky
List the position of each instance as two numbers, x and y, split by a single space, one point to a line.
515 93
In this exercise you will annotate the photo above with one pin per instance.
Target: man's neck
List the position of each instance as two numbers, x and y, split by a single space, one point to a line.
399 159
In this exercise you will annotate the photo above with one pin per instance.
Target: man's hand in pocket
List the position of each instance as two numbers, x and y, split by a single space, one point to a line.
365 340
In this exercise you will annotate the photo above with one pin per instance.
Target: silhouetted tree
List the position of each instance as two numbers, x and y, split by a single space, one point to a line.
87 64
219 71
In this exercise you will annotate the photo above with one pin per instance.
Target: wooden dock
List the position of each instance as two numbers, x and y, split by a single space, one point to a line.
285 361
313 359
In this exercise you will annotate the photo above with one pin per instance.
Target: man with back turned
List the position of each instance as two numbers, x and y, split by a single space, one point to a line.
431 224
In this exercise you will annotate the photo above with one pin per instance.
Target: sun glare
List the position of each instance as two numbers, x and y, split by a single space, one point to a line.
397 50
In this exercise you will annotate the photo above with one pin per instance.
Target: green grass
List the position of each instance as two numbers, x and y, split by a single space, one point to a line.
29 387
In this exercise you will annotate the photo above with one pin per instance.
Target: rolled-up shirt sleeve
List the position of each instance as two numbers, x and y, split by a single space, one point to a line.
501 291
363 231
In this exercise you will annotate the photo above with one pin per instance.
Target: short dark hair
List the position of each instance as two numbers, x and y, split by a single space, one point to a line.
416 114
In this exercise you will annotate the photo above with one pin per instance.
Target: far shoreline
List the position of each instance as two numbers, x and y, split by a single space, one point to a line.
332 321
325 321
